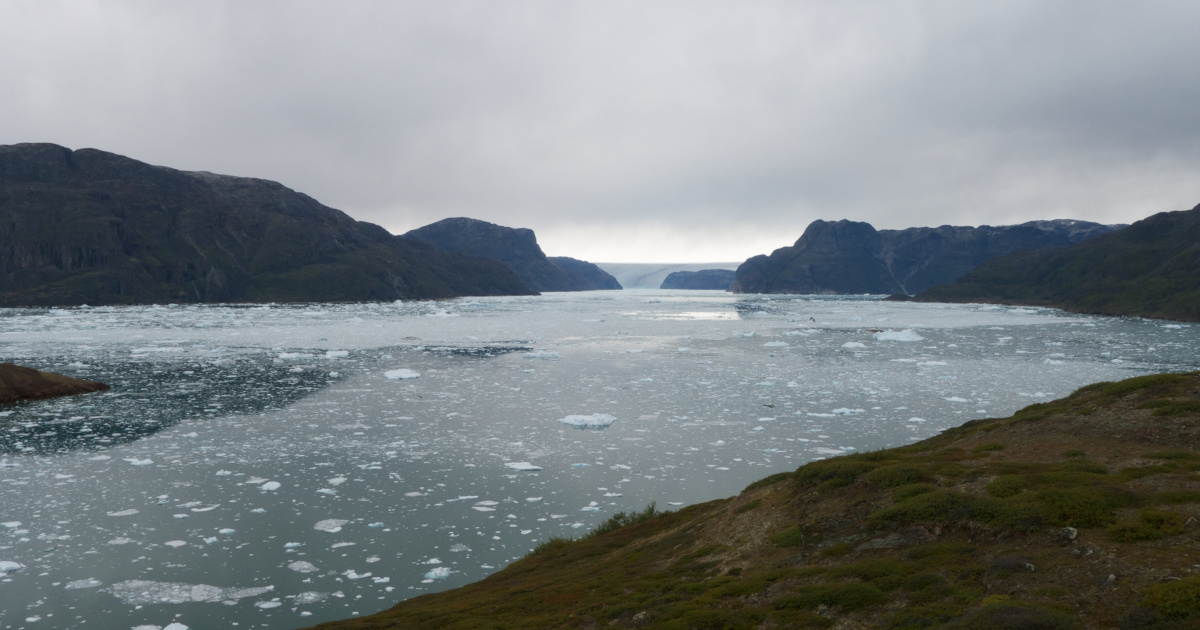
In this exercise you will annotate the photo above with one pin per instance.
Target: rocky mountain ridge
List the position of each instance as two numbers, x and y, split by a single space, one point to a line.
852 257
92 227
1149 269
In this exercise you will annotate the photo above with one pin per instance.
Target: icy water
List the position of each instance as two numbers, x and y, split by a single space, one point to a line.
274 467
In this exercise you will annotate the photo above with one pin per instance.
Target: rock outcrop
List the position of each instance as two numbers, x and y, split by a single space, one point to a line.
853 257
91 227
518 249
19 383
706 279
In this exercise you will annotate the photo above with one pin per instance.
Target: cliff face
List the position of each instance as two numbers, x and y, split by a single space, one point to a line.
854 257
706 279
518 249
93 227
1149 269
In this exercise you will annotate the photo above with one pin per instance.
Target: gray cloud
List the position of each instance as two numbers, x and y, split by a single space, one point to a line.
633 130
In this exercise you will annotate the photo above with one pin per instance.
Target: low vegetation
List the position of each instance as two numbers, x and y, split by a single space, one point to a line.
1078 513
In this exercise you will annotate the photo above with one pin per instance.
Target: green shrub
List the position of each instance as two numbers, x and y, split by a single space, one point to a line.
1164 521
1176 496
886 575
985 448
911 490
1007 485
898 475
847 596
834 473
926 616
1176 600
549 545
747 507
621 519
1172 455
1016 615
768 481
1132 532
1089 506
1074 453
790 537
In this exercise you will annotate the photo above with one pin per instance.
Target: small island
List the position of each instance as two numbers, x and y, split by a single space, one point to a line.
19 384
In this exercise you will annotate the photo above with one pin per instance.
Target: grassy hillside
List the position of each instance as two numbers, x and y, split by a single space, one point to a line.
1149 269
1078 513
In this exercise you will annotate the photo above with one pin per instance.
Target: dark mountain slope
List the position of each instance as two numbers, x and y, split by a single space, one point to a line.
1077 513
854 257
705 279
517 248
585 276
1149 269
93 227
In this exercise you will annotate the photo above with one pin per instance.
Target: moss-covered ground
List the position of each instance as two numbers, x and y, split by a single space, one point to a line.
1078 513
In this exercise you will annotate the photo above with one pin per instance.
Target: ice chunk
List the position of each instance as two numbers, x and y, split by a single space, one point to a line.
594 421
438 573
303 566
854 344
11 524
120 540
526 466
898 335
401 374
267 605
916 419
954 399
295 356
143 592
543 355
310 597
139 462
331 525
129 512
270 485
775 344
336 354
8 567
843 411
175 543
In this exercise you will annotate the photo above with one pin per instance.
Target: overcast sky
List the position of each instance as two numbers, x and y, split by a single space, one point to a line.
635 131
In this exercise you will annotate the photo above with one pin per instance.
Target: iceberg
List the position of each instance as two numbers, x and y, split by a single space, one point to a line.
401 375
594 421
898 335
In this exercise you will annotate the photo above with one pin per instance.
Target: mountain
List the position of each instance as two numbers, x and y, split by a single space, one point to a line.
93 227
710 279
1076 513
517 248
854 257
585 276
1149 269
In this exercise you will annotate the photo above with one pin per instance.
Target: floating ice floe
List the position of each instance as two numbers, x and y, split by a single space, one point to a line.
269 486
907 334
954 399
171 626
336 354
302 566
295 356
526 466
543 355
175 543
8 567
401 375
331 525
775 344
310 597
439 573
139 462
843 411
594 421
143 592
82 584
129 512
854 344
916 419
